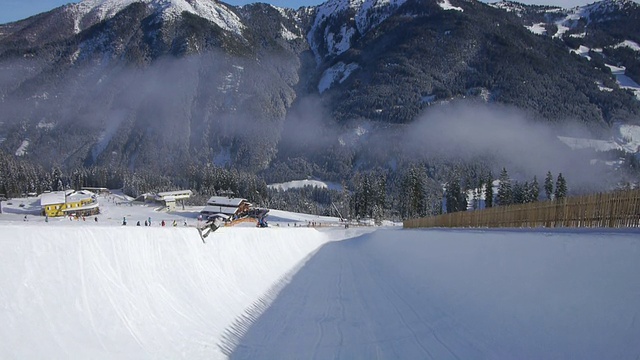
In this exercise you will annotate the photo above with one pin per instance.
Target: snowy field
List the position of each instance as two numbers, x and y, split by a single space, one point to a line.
100 290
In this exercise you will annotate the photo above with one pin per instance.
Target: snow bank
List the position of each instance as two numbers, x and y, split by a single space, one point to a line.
105 292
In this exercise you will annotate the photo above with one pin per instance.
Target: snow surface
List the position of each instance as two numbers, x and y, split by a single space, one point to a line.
302 183
287 34
458 295
624 137
569 22
76 289
90 12
630 44
446 5
22 149
582 143
601 87
623 80
338 72
341 42
582 51
537 29
368 14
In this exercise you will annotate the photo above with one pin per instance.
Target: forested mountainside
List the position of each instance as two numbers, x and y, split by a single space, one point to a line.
330 91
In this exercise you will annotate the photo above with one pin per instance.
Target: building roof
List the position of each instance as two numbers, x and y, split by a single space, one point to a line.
213 209
174 195
225 201
53 198
62 197
80 195
102 189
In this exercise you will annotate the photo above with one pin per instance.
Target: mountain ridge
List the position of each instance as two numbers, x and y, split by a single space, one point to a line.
146 84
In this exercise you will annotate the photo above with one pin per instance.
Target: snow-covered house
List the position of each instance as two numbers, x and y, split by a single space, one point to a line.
225 207
62 203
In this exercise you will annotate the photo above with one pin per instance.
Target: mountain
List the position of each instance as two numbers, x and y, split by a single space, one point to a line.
318 91
181 82
428 51
605 32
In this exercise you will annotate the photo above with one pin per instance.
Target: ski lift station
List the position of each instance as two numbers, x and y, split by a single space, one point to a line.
169 198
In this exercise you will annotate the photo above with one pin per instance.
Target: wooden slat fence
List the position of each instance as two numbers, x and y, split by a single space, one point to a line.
617 209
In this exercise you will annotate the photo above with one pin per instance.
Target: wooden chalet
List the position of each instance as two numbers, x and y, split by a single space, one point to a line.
226 208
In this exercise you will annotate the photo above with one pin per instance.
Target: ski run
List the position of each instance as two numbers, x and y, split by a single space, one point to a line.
100 290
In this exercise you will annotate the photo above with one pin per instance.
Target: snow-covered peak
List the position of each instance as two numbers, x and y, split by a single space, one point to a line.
508 6
601 8
605 6
90 12
519 8
367 12
364 15
373 12
446 5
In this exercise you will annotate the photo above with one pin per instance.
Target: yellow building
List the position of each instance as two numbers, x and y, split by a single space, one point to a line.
69 202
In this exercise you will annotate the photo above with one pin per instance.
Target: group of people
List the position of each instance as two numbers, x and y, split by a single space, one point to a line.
71 218
147 222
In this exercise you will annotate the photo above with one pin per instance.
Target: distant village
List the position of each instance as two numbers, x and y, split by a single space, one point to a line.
84 202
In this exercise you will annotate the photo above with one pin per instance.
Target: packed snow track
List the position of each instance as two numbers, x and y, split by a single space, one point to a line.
107 292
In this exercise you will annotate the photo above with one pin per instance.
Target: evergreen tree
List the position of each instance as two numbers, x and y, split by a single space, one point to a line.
456 199
561 187
548 185
369 195
526 191
413 189
477 194
450 197
488 192
518 195
534 190
505 194
56 179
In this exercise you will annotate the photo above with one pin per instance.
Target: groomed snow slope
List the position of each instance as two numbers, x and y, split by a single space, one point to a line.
96 291
458 295
108 292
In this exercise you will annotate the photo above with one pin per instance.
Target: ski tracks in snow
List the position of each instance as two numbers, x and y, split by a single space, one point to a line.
353 301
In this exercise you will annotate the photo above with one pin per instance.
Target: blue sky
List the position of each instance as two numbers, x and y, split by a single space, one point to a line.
12 10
